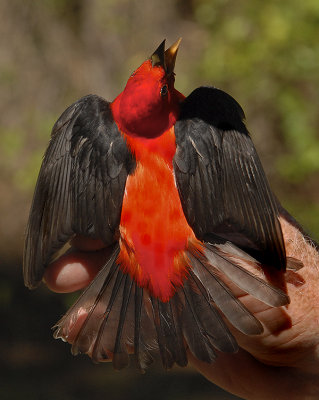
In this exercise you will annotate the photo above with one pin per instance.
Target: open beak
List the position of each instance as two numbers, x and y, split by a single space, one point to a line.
158 57
166 59
170 56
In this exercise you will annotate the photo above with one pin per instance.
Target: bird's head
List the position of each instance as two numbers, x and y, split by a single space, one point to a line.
149 104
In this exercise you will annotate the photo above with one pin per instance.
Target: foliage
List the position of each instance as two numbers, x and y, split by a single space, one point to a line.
268 55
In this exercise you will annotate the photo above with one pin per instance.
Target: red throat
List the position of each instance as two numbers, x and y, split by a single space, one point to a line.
140 110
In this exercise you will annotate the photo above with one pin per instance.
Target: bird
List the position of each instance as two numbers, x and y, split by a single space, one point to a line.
174 186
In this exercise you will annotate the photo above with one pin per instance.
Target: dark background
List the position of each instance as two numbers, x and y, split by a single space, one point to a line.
266 54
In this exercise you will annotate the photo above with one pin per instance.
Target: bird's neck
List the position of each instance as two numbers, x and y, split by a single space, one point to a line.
162 147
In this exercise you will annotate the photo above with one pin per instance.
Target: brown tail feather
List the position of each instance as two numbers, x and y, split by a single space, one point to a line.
233 266
231 307
114 316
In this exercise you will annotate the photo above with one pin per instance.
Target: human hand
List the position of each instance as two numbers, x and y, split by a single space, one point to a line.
281 363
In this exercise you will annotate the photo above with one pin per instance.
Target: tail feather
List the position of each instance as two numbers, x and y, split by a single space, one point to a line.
293 264
231 307
121 358
196 339
170 338
213 325
104 345
144 328
114 316
88 308
180 350
148 345
233 266
163 324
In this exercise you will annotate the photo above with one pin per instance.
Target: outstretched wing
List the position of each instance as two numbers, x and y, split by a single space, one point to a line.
220 179
80 186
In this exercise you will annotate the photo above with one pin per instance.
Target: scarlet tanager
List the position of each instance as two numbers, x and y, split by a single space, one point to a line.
176 187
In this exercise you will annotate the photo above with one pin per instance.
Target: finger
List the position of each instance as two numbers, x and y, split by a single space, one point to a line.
246 377
75 269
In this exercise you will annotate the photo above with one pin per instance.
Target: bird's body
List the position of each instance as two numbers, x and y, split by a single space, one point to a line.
177 185
153 228
154 231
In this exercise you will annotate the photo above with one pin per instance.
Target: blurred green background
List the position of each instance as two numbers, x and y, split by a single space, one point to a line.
266 54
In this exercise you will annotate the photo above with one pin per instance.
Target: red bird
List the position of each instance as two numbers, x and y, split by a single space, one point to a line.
175 185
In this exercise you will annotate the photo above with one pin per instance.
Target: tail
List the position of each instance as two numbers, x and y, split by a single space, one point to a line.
114 317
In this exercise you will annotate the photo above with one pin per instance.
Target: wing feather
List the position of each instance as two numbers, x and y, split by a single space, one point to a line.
80 186
220 179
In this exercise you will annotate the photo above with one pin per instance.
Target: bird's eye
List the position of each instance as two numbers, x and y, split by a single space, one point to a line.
164 90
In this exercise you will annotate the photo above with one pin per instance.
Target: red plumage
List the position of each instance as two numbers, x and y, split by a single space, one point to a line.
154 231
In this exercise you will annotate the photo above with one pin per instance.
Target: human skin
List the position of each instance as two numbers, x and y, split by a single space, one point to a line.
281 363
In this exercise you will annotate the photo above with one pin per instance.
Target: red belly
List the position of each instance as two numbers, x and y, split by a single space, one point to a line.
154 231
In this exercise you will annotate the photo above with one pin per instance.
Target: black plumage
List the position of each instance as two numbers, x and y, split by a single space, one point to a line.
80 186
225 198
220 179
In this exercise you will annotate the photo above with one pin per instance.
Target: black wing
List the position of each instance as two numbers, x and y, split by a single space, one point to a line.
80 186
221 182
